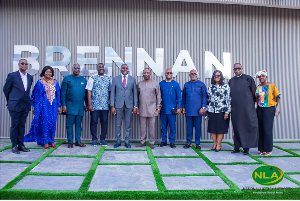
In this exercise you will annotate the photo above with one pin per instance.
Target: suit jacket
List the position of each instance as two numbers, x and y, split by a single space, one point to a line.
120 95
17 97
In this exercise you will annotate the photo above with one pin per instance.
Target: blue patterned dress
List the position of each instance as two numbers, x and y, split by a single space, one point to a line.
45 99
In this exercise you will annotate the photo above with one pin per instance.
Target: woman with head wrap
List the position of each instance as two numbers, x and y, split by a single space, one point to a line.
267 98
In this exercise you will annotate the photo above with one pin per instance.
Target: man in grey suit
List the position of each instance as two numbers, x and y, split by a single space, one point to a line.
123 100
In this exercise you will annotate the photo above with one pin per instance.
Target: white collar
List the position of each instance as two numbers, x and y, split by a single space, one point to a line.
22 73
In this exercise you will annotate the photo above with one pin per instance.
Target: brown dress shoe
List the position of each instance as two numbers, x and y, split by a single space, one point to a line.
70 145
80 144
140 145
152 146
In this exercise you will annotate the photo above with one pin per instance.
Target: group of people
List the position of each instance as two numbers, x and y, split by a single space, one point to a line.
148 99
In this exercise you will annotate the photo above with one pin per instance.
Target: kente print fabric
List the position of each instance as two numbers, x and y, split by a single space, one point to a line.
99 85
218 99
45 99
265 96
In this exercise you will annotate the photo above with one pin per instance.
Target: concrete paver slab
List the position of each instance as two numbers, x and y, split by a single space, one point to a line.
124 157
64 165
208 146
182 166
178 151
110 145
4 144
275 152
287 164
6 173
288 145
34 154
194 183
295 176
227 157
241 175
76 150
123 178
53 182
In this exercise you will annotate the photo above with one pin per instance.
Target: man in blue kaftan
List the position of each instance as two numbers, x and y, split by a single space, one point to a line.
194 97
72 101
171 98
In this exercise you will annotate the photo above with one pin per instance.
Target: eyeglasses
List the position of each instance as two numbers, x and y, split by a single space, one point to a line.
217 75
193 73
76 67
100 66
237 69
169 73
26 64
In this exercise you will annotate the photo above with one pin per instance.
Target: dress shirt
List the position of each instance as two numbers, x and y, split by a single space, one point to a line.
123 78
24 79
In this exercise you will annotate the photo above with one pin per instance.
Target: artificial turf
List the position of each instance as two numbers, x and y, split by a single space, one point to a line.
233 193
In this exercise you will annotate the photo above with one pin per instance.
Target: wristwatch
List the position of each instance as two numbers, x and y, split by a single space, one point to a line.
136 107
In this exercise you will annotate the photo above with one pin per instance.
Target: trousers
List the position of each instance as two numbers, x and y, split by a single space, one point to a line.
17 129
151 128
193 121
168 119
71 119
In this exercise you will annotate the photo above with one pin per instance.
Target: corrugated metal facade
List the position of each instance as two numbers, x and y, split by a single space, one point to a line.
293 4
258 37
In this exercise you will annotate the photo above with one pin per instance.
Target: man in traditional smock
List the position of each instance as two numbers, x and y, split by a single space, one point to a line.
72 101
98 87
171 99
149 103
194 98
243 114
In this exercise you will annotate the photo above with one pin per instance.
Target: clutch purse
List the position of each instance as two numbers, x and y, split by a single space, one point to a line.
277 112
174 110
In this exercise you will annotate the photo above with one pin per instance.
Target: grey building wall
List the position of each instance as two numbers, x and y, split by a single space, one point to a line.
258 37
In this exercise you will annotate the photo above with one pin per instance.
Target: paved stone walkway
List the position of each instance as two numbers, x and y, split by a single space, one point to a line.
139 169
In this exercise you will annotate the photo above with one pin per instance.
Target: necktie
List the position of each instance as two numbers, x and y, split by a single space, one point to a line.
124 81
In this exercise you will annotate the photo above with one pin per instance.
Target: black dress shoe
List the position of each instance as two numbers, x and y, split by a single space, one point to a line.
188 145
15 150
236 150
23 148
198 146
162 144
246 151
172 145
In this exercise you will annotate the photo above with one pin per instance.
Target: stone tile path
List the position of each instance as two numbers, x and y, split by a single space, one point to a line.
195 183
123 178
117 170
50 182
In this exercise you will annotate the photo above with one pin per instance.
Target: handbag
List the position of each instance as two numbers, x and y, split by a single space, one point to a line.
277 112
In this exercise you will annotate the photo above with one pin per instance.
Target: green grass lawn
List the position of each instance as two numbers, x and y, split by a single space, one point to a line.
233 193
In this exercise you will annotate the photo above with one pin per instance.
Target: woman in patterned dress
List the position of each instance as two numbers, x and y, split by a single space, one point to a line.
267 98
218 109
45 99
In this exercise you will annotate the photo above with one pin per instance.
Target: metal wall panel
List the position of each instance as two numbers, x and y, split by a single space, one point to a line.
258 37
293 4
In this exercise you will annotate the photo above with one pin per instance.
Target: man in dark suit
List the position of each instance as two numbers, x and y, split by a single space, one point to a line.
16 90
123 100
